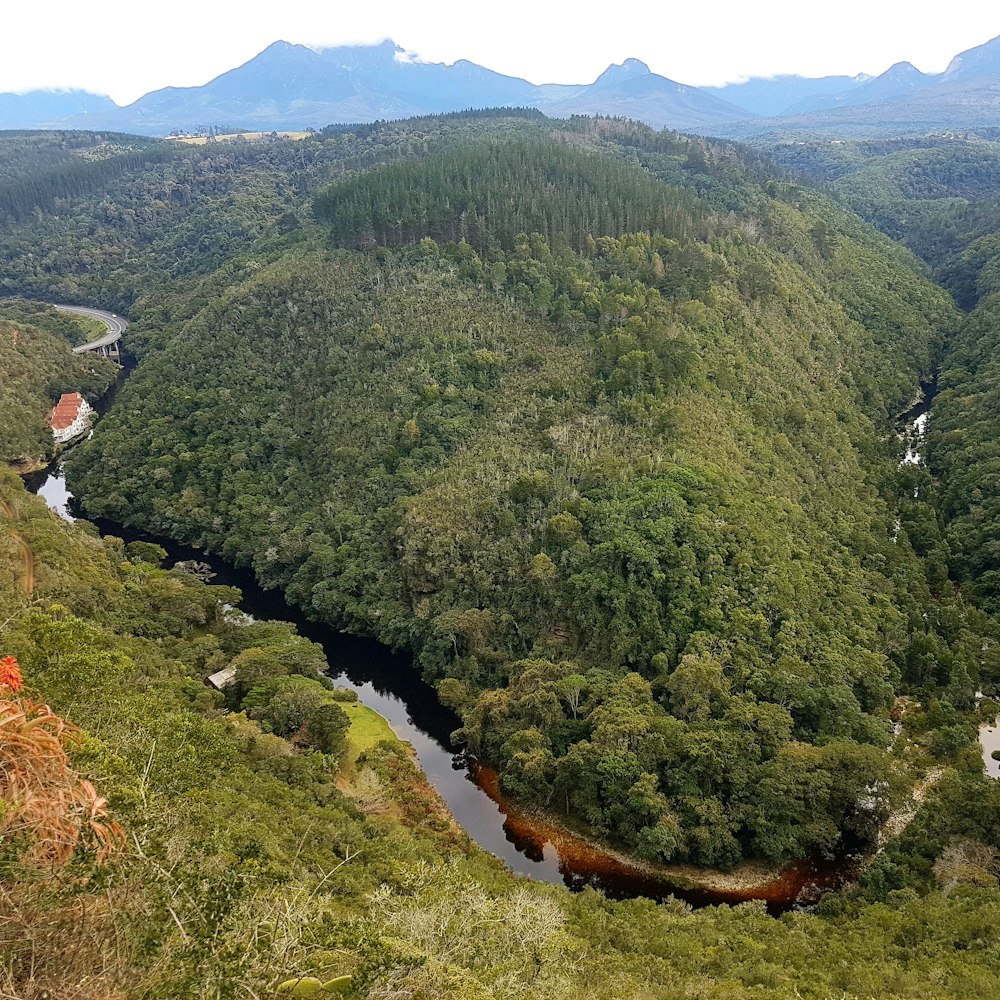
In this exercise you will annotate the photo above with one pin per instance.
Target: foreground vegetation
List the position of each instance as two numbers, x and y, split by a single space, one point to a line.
249 859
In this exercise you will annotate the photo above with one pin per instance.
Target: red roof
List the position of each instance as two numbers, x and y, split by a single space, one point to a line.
65 412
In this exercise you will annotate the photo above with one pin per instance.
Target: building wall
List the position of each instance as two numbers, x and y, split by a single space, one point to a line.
79 426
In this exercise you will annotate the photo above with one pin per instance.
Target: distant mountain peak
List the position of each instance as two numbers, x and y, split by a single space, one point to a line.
282 48
983 60
635 66
624 71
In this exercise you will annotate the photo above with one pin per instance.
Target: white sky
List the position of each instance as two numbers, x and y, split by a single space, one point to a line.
127 47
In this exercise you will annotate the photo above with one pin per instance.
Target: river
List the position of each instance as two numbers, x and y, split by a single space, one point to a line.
913 431
912 424
529 844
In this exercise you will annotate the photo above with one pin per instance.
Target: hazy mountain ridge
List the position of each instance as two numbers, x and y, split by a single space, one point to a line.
292 86
776 95
965 95
40 108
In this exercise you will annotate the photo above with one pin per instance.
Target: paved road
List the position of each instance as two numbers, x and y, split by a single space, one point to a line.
115 324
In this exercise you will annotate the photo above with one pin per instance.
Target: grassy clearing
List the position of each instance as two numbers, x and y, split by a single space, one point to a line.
367 729
92 328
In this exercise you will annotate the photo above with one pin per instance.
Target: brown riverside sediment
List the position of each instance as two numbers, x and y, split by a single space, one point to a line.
581 857
26 466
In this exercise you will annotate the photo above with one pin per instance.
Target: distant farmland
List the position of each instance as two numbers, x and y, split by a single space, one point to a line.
200 140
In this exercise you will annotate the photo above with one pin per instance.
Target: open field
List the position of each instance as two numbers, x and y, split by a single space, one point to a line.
367 729
200 140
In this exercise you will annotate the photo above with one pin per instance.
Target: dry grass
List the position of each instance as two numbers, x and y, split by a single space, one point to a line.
57 948
200 140
42 799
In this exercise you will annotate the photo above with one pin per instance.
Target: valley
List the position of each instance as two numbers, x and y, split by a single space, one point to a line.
529 843
571 448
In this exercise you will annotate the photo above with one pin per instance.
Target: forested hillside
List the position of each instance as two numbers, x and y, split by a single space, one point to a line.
217 858
966 428
36 367
630 490
630 493
491 191
942 197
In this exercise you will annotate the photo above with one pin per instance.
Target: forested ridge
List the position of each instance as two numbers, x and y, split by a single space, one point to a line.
475 192
964 433
632 497
941 196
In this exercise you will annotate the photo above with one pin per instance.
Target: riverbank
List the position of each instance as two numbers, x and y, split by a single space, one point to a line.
32 466
29 466
531 844
594 862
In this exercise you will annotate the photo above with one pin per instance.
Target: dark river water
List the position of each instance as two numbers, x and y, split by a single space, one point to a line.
388 682
529 844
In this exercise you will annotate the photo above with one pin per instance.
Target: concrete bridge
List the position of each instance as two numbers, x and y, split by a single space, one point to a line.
107 345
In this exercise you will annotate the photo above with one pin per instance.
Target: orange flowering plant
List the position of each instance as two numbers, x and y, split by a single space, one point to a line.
10 674
43 799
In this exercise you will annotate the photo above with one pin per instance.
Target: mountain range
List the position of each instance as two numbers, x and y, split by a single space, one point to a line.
41 107
293 87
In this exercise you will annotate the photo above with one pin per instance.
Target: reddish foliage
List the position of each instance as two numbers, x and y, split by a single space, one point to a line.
42 797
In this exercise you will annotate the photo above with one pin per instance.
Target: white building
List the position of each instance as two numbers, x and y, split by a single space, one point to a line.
70 417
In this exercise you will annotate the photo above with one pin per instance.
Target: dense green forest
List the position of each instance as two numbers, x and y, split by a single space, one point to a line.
36 367
630 496
901 185
475 192
942 198
246 860
605 433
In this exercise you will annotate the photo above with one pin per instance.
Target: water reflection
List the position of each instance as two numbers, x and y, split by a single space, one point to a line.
989 740
529 844
50 485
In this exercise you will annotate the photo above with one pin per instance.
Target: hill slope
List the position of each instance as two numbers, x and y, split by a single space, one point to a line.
646 460
253 861
539 464
36 367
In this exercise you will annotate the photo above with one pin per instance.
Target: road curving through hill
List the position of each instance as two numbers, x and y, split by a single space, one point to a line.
116 325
